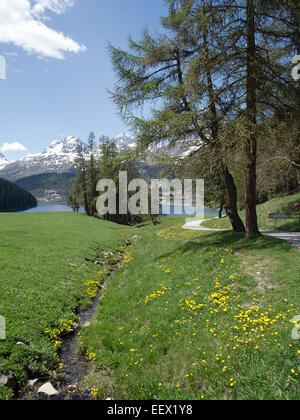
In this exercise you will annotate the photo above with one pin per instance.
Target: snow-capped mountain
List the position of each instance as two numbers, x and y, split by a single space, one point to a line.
124 141
66 148
3 161
58 157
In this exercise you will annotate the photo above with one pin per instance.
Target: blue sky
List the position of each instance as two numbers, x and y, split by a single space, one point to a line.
45 96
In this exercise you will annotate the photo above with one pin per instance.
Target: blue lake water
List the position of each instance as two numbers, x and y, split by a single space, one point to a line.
189 211
49 207
56 207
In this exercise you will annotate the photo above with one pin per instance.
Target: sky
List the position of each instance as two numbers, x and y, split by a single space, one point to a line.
58 69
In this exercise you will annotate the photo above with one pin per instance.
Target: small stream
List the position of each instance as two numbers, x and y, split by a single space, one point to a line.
75 367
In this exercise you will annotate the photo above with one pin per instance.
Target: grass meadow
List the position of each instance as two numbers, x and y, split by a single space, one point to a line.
189 315
197 315
43 279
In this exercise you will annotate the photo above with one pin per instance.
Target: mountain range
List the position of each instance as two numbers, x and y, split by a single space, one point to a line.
48 175
57 158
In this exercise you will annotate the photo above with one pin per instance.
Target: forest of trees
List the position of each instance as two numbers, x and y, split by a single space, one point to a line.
14 198
104 161
37 184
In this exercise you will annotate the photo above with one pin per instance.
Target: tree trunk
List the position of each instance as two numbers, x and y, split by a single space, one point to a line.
222 204
251 141
226 178
297 110
85 196
86 204
231 201
297 43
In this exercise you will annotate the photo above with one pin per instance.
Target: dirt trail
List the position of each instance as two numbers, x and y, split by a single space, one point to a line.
293 238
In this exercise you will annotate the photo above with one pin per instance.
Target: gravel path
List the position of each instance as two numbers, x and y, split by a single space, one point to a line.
197 225
293 238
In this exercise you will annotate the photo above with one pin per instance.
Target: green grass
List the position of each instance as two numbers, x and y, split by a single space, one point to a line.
153 339
189 314
277 205
43 274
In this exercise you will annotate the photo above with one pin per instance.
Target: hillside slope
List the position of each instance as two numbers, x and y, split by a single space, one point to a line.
38 184
289 205
13 198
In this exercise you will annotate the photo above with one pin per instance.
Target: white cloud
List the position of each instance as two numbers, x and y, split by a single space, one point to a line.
56 6
12 147
21 23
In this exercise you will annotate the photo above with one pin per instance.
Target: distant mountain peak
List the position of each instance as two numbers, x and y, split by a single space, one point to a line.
3 161
58 157
121 135
66 146
124 141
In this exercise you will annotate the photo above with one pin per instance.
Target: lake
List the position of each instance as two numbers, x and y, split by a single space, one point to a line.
48 207
56 207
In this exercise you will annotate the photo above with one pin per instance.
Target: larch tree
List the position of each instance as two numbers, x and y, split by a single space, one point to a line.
173 74
216 77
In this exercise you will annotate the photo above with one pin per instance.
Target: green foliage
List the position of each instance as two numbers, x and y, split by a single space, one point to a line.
14 198
37 184
73 202
288 204
218 76
6 394
110 164
104 162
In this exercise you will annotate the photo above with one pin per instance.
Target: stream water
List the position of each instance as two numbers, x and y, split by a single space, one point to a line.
75 367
